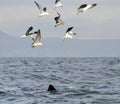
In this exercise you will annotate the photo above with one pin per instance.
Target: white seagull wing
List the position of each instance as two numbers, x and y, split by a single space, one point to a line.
38 6
38 36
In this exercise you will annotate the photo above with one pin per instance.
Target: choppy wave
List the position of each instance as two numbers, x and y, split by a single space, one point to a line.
77 80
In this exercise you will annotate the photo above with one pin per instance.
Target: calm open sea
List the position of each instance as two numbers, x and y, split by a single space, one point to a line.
77 80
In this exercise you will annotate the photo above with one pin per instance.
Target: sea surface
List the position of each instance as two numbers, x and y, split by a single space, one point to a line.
77 80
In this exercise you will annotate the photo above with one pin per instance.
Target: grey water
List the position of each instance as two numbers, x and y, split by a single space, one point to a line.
77 80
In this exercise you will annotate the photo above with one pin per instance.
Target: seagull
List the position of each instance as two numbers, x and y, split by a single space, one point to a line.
58 3
28 32
36 40
69 33
43 11
58 20
85 7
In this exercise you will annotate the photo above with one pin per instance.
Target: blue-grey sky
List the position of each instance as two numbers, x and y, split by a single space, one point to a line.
98 29
101 22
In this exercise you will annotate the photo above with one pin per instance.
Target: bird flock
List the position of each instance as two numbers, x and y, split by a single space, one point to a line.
58 21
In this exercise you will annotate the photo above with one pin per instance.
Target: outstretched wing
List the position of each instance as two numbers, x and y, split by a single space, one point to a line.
39 7
29 30
57 17
69 29
92 5
38 36
58 14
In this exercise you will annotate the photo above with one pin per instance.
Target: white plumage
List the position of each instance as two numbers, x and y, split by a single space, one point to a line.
69 34
58 4
58 20
36 40
43 11
85 7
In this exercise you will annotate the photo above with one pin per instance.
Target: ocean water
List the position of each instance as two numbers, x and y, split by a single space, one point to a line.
77 80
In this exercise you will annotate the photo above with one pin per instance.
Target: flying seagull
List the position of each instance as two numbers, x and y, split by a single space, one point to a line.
43 11
28 32
58 20
85 7
69 33
36 40
58 3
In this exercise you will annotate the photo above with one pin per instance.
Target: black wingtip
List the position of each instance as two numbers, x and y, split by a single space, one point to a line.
94 4
35 2
35 32
31 27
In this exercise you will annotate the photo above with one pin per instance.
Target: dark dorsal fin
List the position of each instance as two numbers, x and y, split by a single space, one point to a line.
51 88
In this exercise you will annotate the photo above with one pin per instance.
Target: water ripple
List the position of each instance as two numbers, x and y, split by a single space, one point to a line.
77 80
